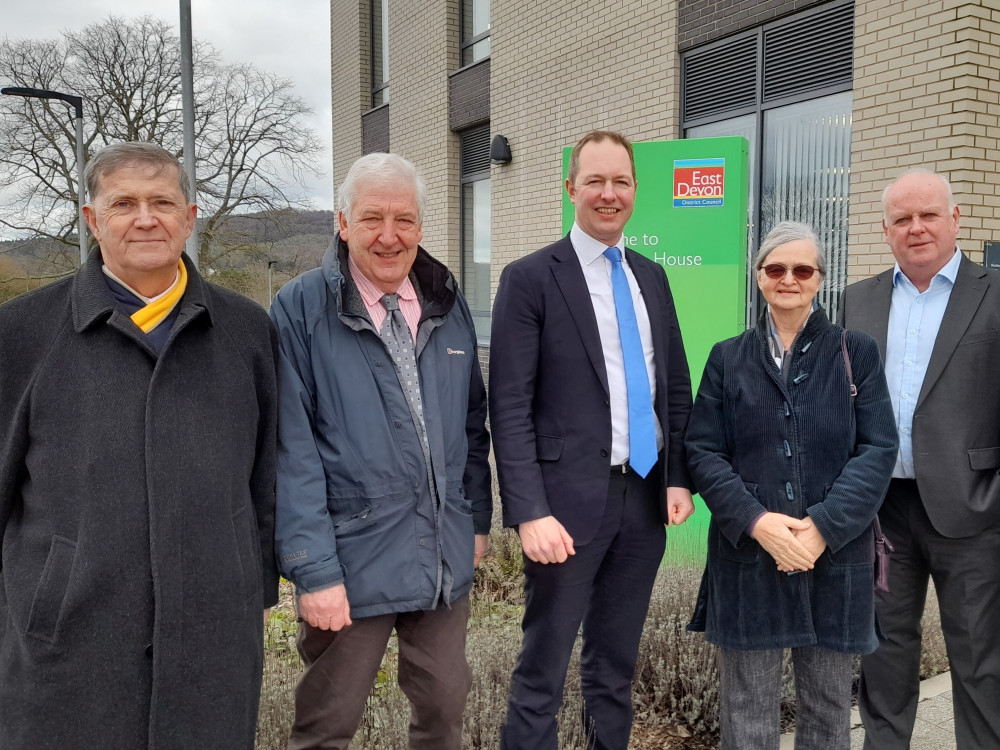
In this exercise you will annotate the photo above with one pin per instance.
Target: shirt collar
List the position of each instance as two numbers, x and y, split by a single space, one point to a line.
949 272
370 293
111 275
587 248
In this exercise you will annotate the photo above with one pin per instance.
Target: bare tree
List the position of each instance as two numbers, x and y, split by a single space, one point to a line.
253 146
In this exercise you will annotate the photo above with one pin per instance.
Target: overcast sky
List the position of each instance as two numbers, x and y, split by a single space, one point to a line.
289 38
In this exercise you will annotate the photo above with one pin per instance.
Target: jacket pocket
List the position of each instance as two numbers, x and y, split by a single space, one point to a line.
43 618
548 447
979 337
983 459
245 532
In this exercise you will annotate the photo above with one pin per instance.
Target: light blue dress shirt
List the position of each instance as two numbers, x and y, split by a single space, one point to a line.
914 321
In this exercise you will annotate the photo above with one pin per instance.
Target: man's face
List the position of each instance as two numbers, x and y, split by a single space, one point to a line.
140 218
604 191
919 226
382 232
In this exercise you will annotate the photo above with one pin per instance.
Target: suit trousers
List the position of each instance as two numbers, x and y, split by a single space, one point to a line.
966 575
750 696
341 666
605 586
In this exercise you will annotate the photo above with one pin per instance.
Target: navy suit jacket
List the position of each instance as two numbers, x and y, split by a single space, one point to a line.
956 425
549 402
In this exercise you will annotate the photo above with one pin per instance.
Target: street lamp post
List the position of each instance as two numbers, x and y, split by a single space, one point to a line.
76 102
270 287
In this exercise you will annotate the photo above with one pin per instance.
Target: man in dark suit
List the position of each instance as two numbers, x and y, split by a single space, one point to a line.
936 316
589 402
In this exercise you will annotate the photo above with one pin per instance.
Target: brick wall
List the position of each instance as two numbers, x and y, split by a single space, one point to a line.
926 93
559 69
423 43
350 60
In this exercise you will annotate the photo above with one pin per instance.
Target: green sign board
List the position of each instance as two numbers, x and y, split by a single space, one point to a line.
691 217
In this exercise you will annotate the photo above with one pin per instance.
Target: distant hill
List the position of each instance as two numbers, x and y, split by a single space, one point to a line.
295 239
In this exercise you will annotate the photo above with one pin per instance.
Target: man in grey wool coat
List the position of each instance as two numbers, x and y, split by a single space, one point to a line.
137 468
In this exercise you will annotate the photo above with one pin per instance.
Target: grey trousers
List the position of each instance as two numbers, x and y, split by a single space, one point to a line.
751 699
341 668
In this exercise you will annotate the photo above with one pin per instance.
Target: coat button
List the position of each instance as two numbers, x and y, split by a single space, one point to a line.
421 542
604 453
378 362
397 425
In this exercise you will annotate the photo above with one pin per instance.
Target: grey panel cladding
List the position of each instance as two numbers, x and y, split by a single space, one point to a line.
375 130
701 21
469 96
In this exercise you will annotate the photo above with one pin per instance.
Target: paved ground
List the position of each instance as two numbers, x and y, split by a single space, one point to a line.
935 727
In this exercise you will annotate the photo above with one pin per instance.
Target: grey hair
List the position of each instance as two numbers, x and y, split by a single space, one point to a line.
382 169
789 231
923 171
119 155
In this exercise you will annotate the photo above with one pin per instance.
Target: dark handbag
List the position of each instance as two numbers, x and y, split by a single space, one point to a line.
882 545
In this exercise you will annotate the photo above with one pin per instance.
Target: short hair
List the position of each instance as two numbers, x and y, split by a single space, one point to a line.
789 231
119 155
924 171
598 136
385 169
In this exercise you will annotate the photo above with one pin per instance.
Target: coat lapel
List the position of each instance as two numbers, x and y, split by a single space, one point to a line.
966 296
569 277
874 311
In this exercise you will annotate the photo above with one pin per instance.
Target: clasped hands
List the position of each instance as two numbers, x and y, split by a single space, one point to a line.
794 543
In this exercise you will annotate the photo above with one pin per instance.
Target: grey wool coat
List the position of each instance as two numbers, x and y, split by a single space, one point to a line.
136 520
799 446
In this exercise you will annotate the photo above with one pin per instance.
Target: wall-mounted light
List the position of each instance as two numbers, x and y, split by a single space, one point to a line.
500 150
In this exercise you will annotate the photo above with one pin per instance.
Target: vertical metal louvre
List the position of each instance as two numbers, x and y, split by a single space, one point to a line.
720 79
475 150
809 53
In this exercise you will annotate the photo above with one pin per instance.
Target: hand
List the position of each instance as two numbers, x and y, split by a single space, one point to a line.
482 547
680 506
544 540
327 609
811 539
267 616
775 532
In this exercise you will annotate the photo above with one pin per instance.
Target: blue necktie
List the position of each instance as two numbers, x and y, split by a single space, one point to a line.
641 427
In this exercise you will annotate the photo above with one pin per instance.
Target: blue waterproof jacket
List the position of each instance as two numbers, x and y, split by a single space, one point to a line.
354 503
799 446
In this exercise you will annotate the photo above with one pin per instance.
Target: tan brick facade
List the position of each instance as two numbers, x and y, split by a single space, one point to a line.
926 93
560 69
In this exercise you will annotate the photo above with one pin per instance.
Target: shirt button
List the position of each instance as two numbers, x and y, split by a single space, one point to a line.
913 330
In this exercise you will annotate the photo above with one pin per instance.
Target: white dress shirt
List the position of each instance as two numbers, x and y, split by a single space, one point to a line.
597 273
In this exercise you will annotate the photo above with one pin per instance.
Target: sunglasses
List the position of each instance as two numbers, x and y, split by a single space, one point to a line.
778 271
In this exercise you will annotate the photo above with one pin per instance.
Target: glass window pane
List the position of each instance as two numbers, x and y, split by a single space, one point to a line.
476 253
806 177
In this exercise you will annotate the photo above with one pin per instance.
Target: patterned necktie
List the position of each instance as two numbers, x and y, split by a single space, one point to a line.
395 334
641 427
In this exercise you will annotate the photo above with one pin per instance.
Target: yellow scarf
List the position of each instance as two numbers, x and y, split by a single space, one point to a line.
156 311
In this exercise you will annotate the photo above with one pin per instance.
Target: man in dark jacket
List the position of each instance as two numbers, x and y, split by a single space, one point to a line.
137 456
384 498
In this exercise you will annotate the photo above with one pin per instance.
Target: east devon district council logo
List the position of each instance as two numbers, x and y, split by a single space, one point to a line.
699 182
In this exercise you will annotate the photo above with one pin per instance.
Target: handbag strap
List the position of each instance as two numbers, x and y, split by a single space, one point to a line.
847 364
879 538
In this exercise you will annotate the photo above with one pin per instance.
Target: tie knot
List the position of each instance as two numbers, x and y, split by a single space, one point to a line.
390 302
613 254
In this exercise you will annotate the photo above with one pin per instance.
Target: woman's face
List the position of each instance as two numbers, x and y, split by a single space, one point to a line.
788 292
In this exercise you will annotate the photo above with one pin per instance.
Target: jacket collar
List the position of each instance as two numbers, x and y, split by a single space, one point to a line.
435 285
93 301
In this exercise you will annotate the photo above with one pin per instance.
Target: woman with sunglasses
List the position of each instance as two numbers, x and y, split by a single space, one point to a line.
793 468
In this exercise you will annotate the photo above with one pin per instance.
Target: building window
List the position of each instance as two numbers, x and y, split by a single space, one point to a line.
475 173
380 52
791 99
475 31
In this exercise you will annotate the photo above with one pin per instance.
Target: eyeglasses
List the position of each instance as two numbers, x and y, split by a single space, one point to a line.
778 271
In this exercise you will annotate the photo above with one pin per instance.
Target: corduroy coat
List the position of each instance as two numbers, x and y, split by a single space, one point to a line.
757 442
136 520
